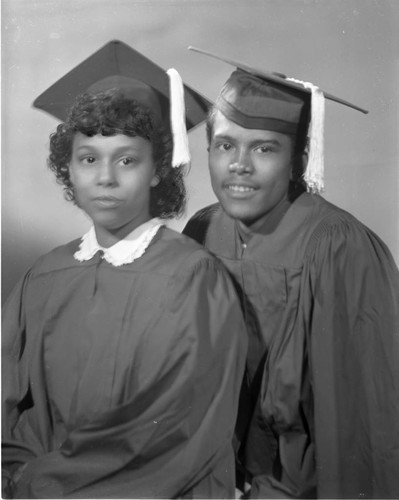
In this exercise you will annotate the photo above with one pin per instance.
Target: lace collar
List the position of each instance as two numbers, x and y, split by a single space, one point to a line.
125 251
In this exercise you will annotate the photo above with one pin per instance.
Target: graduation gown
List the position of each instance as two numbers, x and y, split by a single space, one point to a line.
320 292
122 382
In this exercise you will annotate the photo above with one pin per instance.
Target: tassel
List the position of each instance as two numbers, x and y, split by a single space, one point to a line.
314 175
181 151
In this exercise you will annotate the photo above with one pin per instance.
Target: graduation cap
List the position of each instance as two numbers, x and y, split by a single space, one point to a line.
258 99
117 65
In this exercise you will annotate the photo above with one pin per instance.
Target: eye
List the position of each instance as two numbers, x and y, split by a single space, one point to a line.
88 160
223 146
126 161
264 149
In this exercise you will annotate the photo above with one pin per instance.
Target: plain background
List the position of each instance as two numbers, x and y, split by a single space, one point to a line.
347 47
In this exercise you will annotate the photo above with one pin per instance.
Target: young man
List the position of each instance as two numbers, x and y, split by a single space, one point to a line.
319 410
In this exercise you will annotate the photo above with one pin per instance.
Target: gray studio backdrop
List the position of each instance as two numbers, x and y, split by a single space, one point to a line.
347 47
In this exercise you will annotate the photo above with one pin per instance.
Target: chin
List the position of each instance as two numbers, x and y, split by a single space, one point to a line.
238 212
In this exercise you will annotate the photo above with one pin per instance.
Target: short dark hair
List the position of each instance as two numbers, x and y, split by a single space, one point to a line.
109 113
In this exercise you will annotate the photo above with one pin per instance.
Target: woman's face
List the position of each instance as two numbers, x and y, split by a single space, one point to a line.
112 177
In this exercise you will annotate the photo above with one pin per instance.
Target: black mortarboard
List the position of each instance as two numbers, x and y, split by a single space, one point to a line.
116 65
257 99
113 65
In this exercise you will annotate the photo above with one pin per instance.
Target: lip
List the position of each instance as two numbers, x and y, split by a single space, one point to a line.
239 190
107 201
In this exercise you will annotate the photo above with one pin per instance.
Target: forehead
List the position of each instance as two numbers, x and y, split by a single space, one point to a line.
223 127
110 142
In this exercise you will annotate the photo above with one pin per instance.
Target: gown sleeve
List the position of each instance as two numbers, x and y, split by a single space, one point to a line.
16 396
172 435
353 336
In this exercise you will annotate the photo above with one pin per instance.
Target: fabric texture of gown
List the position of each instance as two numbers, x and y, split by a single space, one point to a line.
319 412
122 382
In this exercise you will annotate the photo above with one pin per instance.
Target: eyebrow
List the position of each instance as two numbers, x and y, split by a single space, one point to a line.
255 142
272 142
118 150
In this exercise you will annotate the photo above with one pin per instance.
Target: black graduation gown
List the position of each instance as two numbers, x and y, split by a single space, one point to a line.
320 293
122 382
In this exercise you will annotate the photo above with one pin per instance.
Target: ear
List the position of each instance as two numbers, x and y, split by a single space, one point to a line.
71 174
299 164
155 181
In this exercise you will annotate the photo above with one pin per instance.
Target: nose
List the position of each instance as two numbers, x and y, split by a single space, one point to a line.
106 174
243 165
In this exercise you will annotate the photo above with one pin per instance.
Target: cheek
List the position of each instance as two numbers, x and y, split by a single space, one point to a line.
284 173
215 177
76 177
278 173
137 184
216 166
81 185
280 184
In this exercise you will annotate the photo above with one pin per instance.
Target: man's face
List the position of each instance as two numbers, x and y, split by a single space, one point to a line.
250 169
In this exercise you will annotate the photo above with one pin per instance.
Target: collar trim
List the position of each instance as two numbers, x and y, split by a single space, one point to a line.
123 252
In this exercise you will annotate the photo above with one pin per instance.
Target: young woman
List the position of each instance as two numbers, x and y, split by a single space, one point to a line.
123 351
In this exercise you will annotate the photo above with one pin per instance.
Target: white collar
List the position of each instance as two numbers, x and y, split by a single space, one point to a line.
124 251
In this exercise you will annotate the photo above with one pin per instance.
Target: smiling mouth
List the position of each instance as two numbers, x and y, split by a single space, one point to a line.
237 188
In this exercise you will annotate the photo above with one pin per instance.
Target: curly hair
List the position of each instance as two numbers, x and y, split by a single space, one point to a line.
109 113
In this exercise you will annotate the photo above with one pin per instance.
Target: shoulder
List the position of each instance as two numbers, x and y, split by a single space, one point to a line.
206 213
197 227
193 275
327 212
316 210
332 226
58 258
326 217
180 254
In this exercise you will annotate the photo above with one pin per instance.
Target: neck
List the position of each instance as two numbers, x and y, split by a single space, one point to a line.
268 222
106 238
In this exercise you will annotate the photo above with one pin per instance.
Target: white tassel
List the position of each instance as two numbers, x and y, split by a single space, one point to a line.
181 151
314 175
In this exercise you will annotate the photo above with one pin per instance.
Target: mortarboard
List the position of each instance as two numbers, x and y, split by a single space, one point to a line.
257 99
117 65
